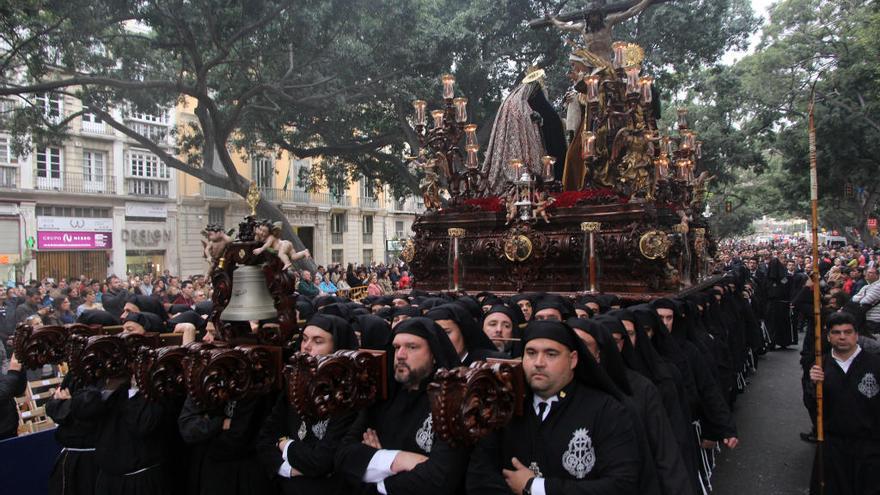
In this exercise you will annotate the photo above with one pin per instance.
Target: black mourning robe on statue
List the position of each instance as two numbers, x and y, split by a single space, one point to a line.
131 446
403 422
585 445
224 461
852 426
551 129
75 470
311 452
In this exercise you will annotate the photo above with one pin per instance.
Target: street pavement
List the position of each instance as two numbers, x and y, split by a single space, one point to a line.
771 458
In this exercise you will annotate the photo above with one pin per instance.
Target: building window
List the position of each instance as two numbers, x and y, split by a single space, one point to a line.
337 223
152 118
301 170
91 118
7 158
153 132
71 211
367 189
368 256
336 256
398 229
217 215
51 104
49 163
93 165
147 165
263 171
368 224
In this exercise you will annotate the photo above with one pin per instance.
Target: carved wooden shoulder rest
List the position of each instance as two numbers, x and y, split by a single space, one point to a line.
469 403
338 383
35 347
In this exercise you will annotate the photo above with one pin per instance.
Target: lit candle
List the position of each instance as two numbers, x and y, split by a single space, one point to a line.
691 138
645 84
681 168
589 145
448 86
548 162
460 109
472 155
470 133
592 83
516 166
686 140
668 145
419 106
632 80
662 166
698 151
682 118
438 117
619 48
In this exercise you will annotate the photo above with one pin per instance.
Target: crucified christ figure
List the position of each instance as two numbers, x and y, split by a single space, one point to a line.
597 23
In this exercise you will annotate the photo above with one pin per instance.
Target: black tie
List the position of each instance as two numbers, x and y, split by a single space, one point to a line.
542 406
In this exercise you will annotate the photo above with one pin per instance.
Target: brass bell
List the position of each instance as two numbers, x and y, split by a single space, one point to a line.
250 298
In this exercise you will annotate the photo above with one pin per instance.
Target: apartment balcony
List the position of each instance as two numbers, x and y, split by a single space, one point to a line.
9 177
74 182
147 187
367 202
97 129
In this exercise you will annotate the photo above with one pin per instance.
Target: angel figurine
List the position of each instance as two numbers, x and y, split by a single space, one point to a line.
543 202
271 235
215 243
510 198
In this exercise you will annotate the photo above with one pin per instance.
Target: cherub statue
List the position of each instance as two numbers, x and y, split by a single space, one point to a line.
271 235
543 201
215 242
430 185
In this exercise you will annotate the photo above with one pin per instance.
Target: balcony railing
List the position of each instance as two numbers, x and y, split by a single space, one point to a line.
74 182
147 187
367 202
97 128
9 177
209 191
336 237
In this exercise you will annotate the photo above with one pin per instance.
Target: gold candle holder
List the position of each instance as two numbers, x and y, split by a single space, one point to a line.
589 145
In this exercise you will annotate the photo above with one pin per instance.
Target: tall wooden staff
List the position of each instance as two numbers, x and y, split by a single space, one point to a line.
814 205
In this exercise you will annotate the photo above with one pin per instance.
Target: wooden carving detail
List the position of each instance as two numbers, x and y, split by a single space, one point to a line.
106 356
342 382
159 372
469 403
48 344
216 376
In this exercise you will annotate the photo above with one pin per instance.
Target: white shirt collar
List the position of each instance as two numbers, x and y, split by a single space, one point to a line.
844 365
537 400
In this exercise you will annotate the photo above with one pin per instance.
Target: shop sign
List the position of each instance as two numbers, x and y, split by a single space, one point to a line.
74 240
74 224
146 237
146 210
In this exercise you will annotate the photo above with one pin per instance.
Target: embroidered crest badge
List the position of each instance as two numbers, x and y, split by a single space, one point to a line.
302 430
425 435
868 386
580 457
320 428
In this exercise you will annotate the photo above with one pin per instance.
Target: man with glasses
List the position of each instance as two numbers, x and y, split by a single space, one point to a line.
851 409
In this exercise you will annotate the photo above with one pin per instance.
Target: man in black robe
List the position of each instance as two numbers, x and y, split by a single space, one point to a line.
73 408
299 452
392 448
851 381
131 445
470 342
575 436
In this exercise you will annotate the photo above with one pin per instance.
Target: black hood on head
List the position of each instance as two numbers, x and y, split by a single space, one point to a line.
441 348
609 356
343 334
375 332
474 337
